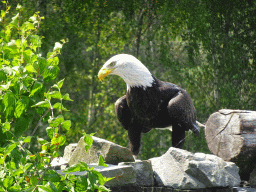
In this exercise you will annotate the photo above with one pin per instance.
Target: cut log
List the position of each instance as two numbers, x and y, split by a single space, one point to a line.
231 135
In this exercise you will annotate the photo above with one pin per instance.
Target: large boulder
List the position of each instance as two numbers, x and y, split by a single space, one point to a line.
111 152
181 169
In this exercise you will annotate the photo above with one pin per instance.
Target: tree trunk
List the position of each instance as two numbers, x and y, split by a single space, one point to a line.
231 135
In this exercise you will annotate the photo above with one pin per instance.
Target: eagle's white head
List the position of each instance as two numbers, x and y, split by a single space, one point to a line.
129 68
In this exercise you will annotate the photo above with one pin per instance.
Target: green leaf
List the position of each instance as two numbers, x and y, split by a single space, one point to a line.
21 106
50 55
49 131
56 121
59 106
54 94
52 176
103 188
97 177
60 83
53 61
51 73
7 182
45 188
84 167
6 126
35 41
101 162
31 69
93 177
16 158
62 140
54 189
66 124
42 104
2 11
27 54
27 139
21 124
55 154
42 63
22 86
15 187
66 97
41 141
88 141
34 180
28 166
61 186
81 183
17 172
59 119
58 140
10 148
3 76
28 26
45 147
36 88
9 104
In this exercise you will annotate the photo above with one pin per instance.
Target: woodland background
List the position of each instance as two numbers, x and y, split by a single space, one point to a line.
207 47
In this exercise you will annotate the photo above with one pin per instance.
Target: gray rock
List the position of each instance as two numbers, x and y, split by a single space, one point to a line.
111 152
144 172
181 169
122 175
69 150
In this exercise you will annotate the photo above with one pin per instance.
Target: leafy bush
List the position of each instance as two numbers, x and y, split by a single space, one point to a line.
25 93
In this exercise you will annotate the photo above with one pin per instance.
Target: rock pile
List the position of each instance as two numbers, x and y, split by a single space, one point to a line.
177 168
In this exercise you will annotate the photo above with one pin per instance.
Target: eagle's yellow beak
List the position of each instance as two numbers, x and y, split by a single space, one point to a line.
103 73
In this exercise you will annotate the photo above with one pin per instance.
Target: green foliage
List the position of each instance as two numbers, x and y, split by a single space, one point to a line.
92 180
25 76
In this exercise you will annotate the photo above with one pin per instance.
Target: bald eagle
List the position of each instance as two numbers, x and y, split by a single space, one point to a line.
149 103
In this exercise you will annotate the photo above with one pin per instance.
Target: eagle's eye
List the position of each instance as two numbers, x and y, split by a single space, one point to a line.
112 64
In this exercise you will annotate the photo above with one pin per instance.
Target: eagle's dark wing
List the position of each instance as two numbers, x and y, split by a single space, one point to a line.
182 111
127 120
123 112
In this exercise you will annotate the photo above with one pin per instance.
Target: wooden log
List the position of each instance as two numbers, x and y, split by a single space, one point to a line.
231 135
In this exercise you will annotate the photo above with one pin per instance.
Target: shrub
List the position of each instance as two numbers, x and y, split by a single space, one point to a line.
25 92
